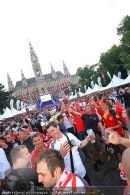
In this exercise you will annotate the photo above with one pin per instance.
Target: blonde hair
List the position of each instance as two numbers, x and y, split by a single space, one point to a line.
16 152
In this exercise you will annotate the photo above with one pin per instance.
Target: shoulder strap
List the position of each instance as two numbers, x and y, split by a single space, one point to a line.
83 180
52 144
71 155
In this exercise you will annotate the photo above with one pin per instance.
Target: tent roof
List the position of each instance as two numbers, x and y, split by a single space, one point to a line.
89 90
96 88
127 80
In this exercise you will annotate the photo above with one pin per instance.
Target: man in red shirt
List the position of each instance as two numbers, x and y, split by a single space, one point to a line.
78 121
37 140
109 120
119 109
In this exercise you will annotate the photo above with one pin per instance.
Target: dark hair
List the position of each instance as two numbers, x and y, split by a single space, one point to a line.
14 125
53 160
112 100
60 116
25 127
51 124
2 139
58 109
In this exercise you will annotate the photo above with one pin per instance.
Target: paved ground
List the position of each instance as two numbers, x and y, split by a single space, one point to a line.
108 177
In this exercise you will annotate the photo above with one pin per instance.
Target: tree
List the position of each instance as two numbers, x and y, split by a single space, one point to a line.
74 88
5 98
116 59
124 31
87 74
112 61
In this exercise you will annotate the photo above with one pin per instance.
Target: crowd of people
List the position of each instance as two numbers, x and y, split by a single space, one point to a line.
50 147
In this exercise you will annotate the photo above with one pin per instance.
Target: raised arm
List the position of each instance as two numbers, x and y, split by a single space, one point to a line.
86 140
116 139
74 112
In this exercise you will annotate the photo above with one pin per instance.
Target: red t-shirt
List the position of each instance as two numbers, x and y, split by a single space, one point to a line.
78 123
119 110
111 121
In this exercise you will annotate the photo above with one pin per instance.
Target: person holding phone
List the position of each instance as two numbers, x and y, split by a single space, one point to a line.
60 143
91 121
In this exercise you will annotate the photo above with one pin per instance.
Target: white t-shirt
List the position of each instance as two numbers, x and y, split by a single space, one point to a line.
4 164
78 165
66 122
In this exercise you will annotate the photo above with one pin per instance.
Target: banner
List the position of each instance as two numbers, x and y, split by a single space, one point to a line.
45 98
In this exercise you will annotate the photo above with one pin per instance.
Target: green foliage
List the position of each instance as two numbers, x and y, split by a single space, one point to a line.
116 59
5 97
112 61
74 87
124 31
87 74
124 26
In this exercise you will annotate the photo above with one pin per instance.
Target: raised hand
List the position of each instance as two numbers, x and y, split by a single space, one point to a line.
114 138
64 149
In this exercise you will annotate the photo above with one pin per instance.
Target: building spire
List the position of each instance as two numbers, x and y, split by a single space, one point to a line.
10 83
66 71
54 76
35 64
24 81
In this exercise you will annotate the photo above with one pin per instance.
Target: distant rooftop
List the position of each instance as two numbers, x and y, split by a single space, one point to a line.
32 80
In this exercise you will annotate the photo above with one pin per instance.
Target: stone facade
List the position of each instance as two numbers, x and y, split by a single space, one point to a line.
54 83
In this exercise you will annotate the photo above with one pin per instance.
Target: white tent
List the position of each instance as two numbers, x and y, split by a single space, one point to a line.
7 113
23 110
89 90
117 81
72 97
127 80
96 88
14 111
1 119
110 85
81 94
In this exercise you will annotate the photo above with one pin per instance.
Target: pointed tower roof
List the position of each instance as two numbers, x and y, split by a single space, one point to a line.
24 81
66 71
22 75
54 75
35 63
10 83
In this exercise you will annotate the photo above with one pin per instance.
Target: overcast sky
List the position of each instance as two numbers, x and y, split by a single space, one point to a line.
77 31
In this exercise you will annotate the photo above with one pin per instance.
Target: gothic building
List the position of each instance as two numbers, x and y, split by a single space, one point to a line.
54 83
